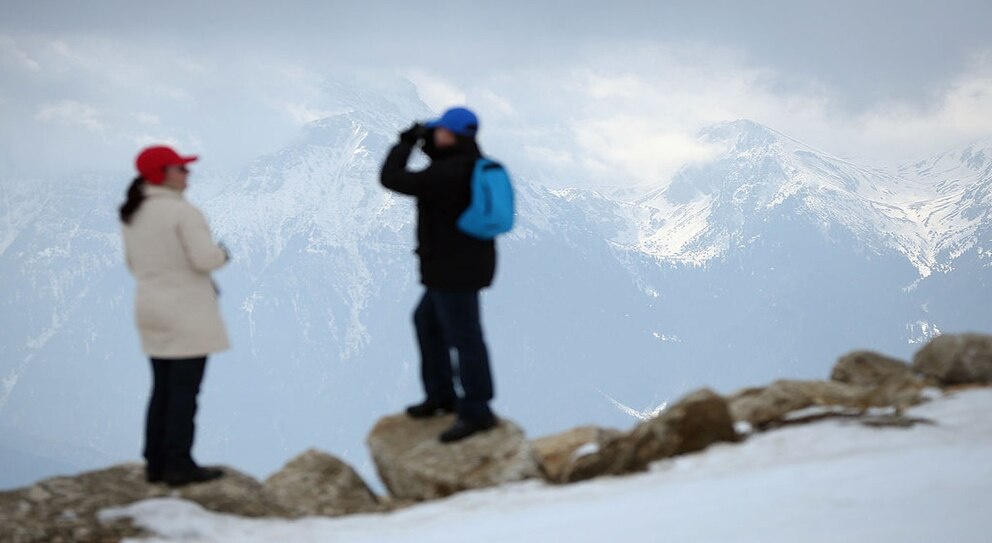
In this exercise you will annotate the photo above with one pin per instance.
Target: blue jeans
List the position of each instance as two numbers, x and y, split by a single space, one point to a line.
446 321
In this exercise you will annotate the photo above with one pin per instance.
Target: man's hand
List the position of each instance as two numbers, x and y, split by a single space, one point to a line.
414 134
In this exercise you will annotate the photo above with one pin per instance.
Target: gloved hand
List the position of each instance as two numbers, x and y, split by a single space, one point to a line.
414 134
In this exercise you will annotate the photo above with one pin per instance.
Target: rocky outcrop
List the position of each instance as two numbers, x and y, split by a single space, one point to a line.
558 453
695 422
957 359
316 483
415 465
64 509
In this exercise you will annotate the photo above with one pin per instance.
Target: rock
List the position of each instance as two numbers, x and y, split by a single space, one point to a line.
957 359
692 424
64 509
237 494
763 406
869 369
415 465
315 483
557 453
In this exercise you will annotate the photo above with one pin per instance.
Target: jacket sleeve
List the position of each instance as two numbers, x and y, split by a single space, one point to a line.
203 254
396 177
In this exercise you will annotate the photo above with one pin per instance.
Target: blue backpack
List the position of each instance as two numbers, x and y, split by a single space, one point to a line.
490 212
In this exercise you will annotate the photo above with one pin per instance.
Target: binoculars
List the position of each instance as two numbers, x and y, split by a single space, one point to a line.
420 132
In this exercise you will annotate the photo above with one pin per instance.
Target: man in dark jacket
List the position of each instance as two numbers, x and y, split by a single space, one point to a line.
453 268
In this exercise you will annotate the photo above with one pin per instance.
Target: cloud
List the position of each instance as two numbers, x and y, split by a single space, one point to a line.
624 115
72 112
617 112
303 113
146 139
639 149
12 55
962 113
146 118
631 114
435 92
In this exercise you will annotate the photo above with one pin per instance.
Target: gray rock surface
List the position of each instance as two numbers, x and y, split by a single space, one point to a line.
957 359
415 465
870 369
558 453
695 422
64 509
772 404
316 483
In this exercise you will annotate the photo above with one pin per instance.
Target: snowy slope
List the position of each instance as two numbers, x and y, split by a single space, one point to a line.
828 481
958 210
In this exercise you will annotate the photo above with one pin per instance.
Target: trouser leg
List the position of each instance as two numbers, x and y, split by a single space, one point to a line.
185 377
459 316
435 354
155 418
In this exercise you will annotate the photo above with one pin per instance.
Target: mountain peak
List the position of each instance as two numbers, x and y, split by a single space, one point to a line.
742 133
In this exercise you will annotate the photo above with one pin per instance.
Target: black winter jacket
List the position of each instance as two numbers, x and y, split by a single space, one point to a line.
449 259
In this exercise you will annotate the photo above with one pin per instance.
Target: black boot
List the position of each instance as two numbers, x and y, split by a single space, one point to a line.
153 474
429 408
463 428
193 475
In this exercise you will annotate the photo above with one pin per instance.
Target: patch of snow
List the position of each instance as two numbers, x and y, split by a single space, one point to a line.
585 450
743 427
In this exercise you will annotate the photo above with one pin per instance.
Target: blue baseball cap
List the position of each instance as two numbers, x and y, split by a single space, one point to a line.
459 120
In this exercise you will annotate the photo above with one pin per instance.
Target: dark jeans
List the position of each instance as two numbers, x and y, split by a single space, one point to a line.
448 320
169 427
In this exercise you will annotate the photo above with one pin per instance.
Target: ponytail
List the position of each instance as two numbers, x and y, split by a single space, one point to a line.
135 195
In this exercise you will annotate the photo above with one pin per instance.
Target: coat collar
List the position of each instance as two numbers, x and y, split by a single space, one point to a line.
158 191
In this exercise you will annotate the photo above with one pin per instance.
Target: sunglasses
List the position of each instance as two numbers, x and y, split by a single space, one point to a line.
183 169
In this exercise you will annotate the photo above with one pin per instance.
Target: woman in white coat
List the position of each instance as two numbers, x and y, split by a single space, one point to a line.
170 252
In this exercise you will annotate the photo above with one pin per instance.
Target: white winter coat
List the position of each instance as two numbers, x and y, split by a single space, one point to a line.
171 253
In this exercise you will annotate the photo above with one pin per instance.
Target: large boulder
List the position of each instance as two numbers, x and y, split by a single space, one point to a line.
870 369
415 465
315 483
557 453
64 509
695 422
957 359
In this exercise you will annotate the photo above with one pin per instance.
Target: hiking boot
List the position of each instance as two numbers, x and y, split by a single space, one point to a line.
429 409
194 475
463 428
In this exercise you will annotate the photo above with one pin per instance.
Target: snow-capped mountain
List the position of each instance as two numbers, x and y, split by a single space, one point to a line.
768 261
929 212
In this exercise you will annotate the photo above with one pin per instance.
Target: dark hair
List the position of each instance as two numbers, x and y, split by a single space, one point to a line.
135 195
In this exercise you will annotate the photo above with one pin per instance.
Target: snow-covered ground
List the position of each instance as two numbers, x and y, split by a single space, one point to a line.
835 480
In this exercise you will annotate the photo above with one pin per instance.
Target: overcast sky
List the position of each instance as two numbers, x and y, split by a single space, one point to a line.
609 93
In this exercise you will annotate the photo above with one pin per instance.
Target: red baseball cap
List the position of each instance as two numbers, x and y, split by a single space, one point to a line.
153 161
